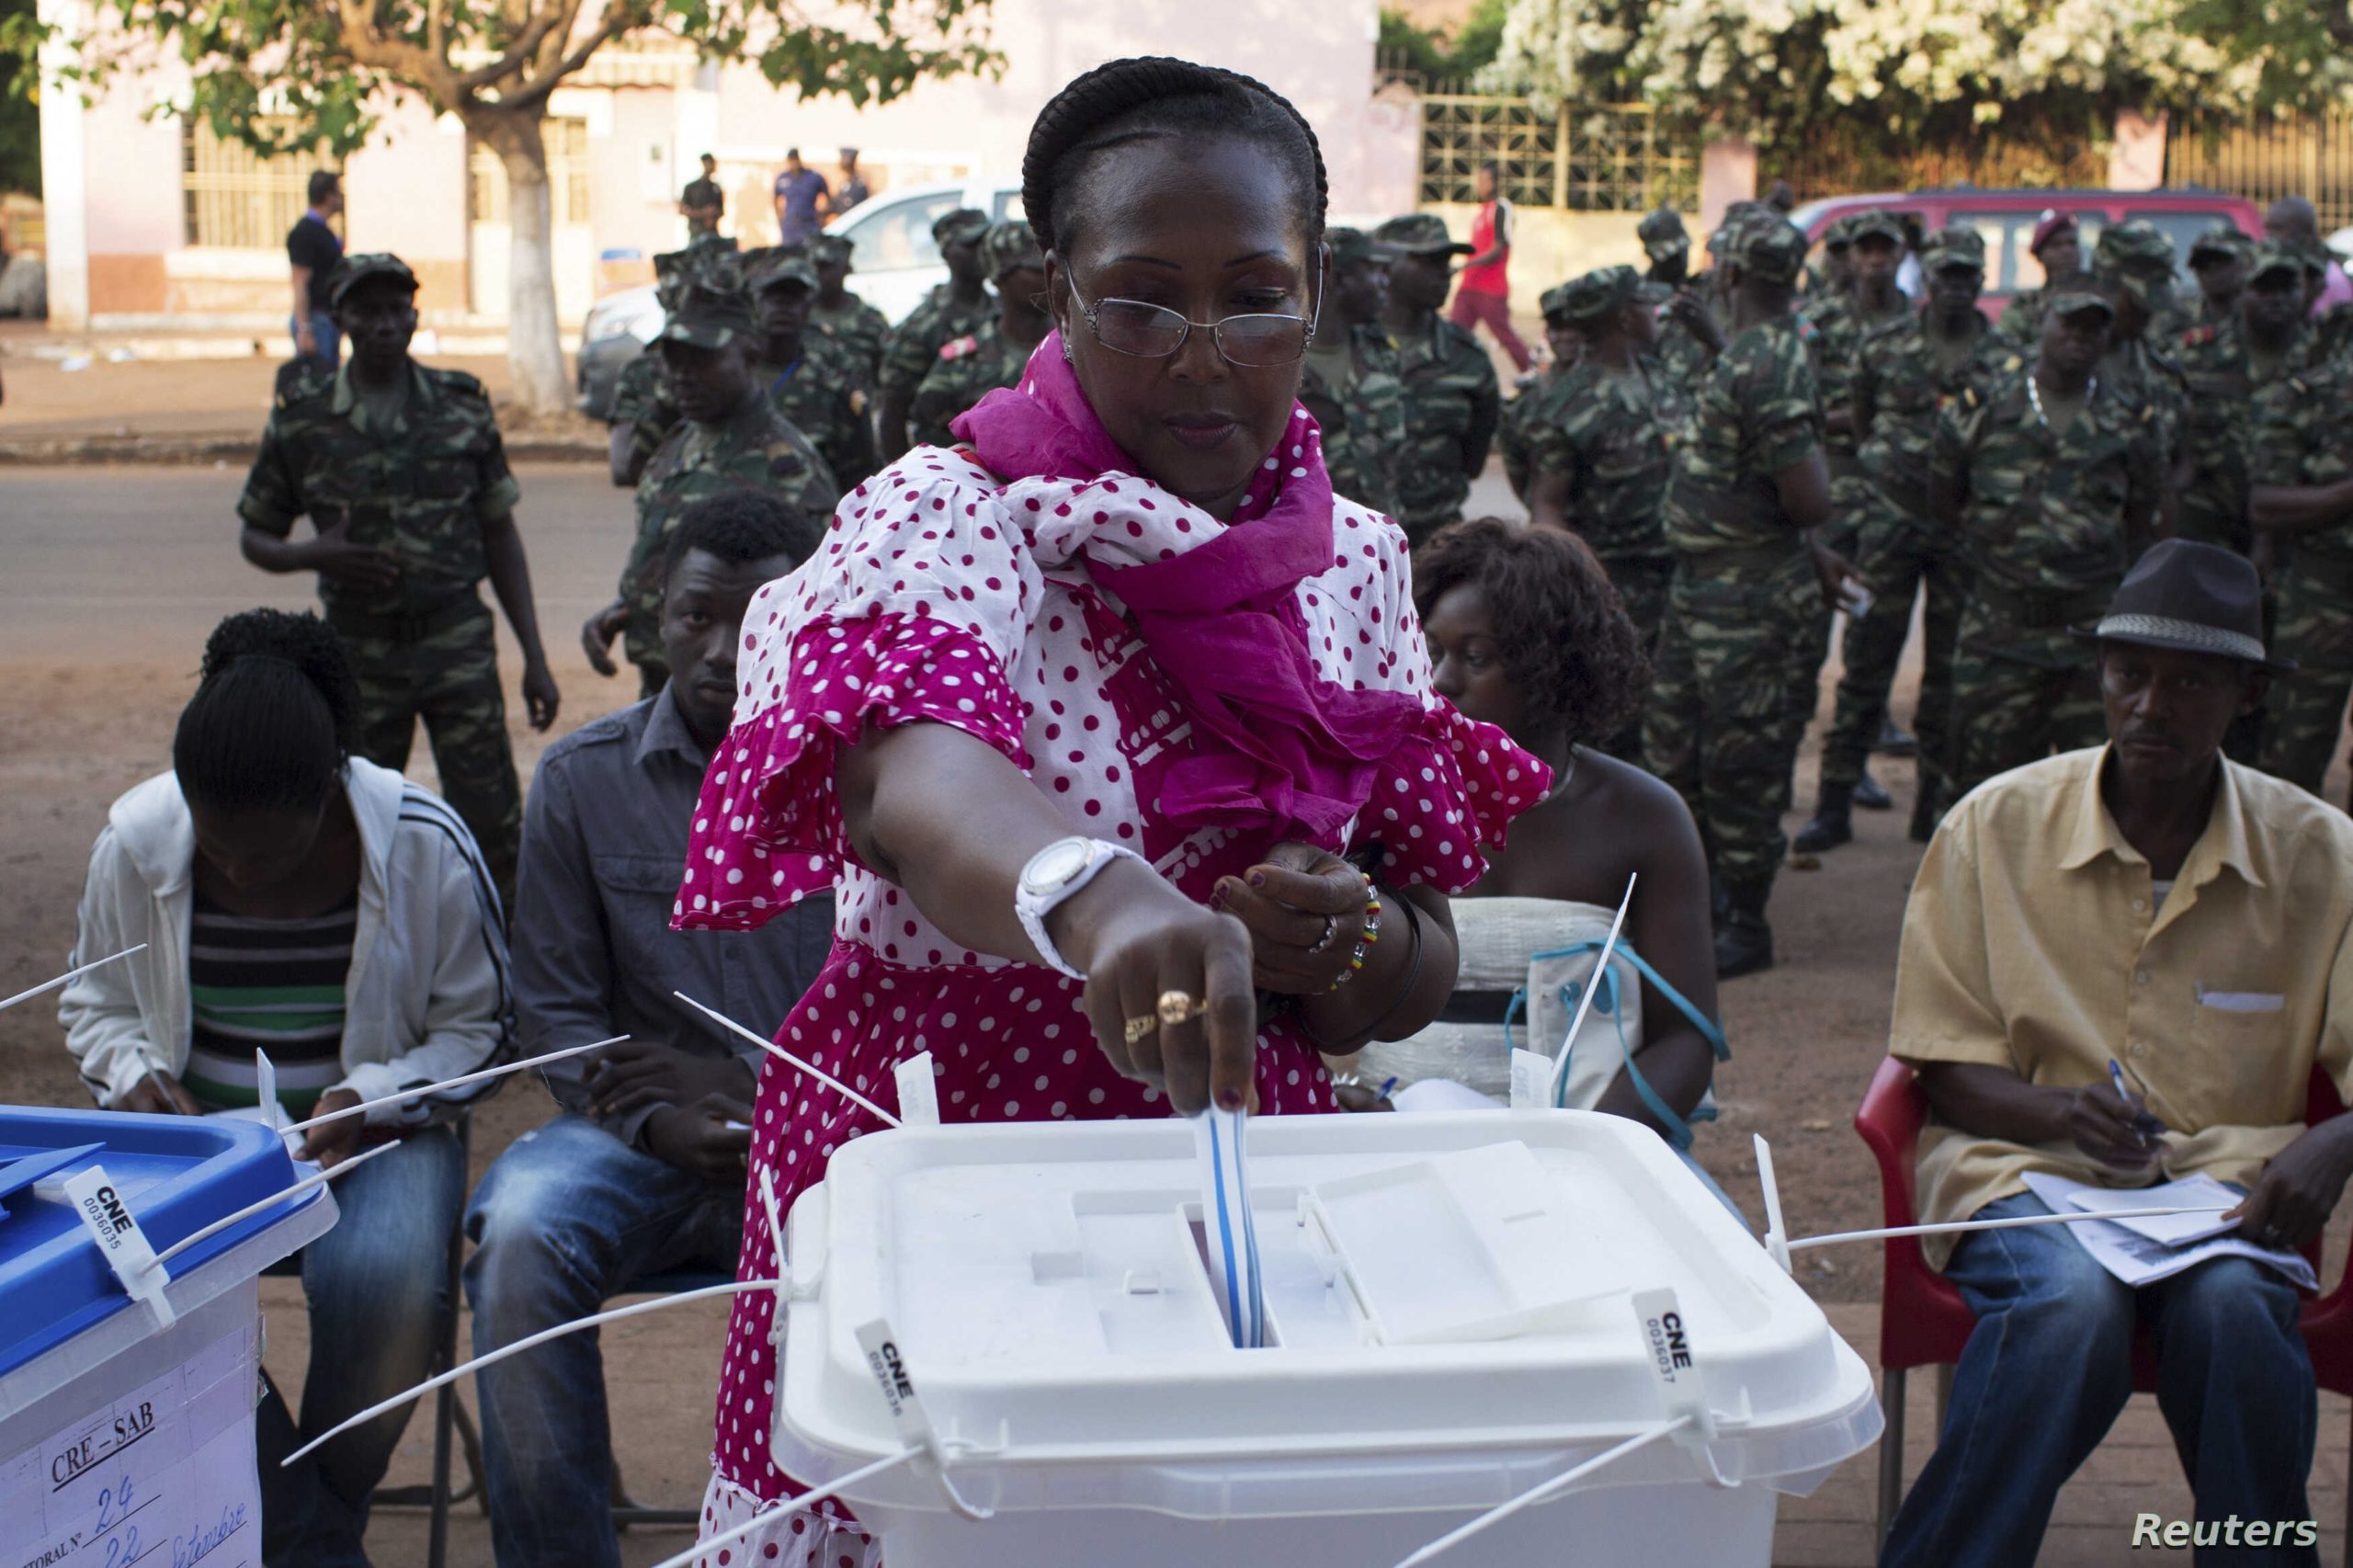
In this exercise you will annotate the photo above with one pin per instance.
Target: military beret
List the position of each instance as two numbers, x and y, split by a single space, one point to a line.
1953 245
1010 245
1594 296
960 226
2223 242
2055 224
1880 223
1771 247
2272 256
354 270
1663 233
1351 245
1419 234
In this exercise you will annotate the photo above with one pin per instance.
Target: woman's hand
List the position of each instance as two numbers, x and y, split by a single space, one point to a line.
1138 939
158 1093
1304 909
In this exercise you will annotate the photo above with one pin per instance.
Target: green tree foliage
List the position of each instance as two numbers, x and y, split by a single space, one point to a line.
20 111
1440 57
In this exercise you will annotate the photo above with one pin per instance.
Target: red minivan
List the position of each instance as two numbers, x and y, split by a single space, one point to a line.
2007 218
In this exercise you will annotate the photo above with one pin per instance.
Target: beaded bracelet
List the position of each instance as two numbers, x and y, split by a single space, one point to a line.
1365 938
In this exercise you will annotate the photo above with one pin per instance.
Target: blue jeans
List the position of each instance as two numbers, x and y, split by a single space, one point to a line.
2049 1366
323 334
568 1216
378 1286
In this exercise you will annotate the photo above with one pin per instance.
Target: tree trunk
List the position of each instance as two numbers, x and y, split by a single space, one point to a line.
534 350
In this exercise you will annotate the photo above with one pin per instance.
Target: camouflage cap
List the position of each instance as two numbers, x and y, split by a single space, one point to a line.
776 265
1010 245
673 270
962 226
354 270
1878 223
1840 234
2223 242
1772 247
2316 255
2135 245
2271 258
830 250
1595 296
2074 298
1663 233
1955 246
1351 245
1419 234
714 309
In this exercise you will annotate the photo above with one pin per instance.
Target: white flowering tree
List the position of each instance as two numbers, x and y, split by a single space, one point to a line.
1779 70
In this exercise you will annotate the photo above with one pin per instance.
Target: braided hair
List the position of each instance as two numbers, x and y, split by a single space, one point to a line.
1151 97
272 724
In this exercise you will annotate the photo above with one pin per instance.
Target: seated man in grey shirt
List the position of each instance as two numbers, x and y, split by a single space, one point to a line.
644 1171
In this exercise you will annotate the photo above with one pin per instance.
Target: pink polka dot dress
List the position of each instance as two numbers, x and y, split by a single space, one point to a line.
945 593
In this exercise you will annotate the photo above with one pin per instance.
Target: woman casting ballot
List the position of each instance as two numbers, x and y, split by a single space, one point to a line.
1110 725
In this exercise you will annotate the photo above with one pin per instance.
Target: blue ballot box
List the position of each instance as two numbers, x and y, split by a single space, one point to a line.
127 1409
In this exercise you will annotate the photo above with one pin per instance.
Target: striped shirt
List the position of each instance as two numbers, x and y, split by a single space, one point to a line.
269 985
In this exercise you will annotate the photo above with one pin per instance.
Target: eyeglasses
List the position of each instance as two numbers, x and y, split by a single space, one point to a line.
1255 341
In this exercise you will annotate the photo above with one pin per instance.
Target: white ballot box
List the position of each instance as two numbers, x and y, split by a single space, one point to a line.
1458 1307
127 1420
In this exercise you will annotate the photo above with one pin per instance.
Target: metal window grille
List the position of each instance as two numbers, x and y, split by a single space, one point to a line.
566 141
237 198
2264 160
1579 157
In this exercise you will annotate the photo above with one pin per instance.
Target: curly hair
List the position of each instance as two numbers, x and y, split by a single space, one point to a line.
1566 642
740 526
1151 97
270 725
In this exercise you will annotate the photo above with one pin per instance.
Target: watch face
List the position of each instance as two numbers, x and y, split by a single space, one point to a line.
1056 864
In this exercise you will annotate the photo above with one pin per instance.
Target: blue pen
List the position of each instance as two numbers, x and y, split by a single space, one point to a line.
1386 1087
2145 1126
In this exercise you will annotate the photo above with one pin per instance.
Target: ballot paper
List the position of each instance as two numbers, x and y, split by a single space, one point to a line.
162 1474
2137 1260
2172 1230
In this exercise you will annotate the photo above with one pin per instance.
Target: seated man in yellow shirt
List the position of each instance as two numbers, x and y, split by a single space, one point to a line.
2151 903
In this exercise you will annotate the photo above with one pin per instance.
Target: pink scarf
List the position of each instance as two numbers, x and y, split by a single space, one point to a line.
1276 748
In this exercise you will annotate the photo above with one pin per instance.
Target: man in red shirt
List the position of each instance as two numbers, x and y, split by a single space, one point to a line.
1482 292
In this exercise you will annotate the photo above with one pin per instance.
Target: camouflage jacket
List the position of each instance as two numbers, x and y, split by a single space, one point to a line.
1898 388
422 486
2147 370
1685 357
758 448
641 400
1755 415
913 345
2303 435
967 369
2222 382
1363 422
1840 325
857 328
823 394
1615 436
1452 405
2041 512
1520 417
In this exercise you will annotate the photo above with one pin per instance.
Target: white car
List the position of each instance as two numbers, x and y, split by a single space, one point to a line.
894 263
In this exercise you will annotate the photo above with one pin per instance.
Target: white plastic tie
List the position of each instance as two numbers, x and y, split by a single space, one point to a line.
1777 1232
69 977
315 1179
723 1021
457 1082
1584 1003
1957 1227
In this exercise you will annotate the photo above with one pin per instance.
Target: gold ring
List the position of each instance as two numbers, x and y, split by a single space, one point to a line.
1176 1006
1138 1027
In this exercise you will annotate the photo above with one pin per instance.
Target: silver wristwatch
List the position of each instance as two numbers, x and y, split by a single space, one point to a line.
1052 875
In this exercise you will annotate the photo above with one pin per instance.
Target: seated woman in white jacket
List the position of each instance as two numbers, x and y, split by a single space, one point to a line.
301 901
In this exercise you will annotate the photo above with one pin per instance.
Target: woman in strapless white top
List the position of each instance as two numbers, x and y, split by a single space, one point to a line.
1525 632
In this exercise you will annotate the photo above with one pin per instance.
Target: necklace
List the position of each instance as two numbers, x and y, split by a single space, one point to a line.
2034 396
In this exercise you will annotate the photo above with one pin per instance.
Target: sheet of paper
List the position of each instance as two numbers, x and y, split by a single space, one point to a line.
2138 1261
160 1475
1442 1094
1230 1232
2169 1230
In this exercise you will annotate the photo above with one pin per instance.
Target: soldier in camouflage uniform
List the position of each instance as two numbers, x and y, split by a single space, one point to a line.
2133 267
1907 372
2058 244
1876 243
1600 458
2044 475
956 308
733 436
402 472
641 415
841 315
975 365
1837 274
2224 365
2301 470
1748 490
1536 396
2218 259
1685 346
1453 402
815 380
1352 381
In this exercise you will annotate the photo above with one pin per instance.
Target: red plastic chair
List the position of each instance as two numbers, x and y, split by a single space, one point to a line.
1923 1322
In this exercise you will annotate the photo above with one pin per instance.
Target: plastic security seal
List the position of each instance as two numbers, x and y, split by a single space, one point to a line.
1668 1338
120 1241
